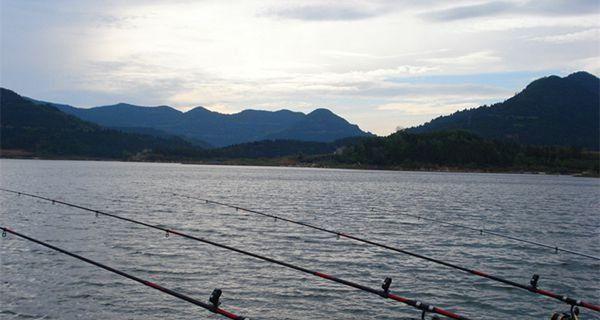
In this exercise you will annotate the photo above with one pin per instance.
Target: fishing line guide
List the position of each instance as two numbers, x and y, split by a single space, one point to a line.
413 303
556 249
214 298
531 288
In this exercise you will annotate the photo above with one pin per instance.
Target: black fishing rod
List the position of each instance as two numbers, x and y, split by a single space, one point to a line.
532 287
483 231
214 298
384 293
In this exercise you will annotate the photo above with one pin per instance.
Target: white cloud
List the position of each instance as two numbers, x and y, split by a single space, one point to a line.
585 35
590 64
478 58
483 9
436 106
519 23
350 56
424 108
469 11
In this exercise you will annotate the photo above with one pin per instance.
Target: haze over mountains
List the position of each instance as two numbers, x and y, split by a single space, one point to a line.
216 129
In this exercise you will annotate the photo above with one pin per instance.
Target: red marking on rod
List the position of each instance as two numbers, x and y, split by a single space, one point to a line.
153 285
556 296
479 273
548 293
590 306
174 232
398 298
228 314
323 275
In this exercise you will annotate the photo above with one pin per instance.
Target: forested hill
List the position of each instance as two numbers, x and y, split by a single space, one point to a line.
44 131
549 111
464 151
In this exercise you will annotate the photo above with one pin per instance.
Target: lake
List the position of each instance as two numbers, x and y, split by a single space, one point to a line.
41 284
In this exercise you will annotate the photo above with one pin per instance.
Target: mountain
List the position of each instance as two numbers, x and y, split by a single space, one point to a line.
29 128
217 129
42 130
125 115
549 111
229 129
321 125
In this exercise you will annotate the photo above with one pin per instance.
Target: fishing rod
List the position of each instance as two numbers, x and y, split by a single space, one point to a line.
483 231
384 293
214 298
532 287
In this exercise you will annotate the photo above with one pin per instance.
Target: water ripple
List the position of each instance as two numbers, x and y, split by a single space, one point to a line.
41 284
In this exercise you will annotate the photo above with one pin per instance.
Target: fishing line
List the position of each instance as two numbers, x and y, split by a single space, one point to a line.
214 298
532 287
482 231
385 288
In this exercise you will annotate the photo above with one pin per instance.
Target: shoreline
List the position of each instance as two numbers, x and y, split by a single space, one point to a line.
286 163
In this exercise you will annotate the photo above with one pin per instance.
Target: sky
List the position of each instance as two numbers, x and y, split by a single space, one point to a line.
381 64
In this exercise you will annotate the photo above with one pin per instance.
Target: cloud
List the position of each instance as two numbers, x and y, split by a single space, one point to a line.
359 55
436 105
347 10
497 8
411 59
298 87
562 7
589 64
469 11
469 60
526 23
348 54
585 35
324 13
393 92
433 107
411 109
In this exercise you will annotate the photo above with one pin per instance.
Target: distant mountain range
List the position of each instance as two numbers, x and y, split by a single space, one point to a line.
36 129
203 127
549 111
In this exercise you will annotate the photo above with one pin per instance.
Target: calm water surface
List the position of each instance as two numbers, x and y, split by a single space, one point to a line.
40 284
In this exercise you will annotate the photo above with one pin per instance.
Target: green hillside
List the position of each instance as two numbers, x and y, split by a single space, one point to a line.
549 111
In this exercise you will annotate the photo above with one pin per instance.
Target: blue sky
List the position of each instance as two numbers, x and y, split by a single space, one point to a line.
380 64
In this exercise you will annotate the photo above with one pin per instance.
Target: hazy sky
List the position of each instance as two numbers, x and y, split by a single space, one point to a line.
380 64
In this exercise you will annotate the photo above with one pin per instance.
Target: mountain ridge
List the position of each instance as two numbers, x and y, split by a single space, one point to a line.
551 110
221 129
34 130
43 130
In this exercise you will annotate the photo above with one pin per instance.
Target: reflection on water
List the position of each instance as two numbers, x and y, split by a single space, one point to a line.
38 283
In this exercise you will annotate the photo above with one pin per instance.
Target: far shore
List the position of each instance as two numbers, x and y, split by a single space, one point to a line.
290 163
